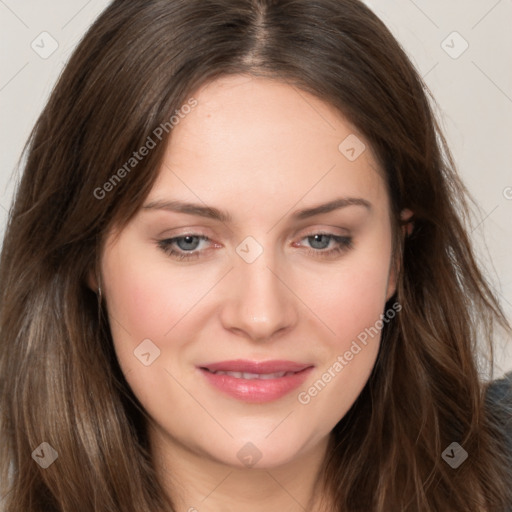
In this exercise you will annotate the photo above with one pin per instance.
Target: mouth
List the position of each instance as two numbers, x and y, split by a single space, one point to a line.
253 381
251 376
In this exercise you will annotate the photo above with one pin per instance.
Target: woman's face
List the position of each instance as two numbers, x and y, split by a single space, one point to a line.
286 256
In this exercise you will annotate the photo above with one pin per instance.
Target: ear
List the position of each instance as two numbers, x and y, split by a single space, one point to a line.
91 281
407 228
391 288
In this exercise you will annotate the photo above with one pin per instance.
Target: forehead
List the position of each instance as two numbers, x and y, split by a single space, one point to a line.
265 141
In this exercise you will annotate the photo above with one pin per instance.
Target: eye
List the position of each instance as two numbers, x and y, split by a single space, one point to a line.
183 247
321 241
188 246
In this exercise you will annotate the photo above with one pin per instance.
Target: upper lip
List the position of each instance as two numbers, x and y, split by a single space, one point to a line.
259 367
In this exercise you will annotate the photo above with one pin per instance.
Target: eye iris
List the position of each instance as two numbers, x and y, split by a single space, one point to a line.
316 239
189 240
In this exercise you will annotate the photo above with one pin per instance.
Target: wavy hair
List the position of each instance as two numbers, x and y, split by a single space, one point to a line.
59 378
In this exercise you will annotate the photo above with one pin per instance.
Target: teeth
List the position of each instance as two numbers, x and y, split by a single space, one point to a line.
251 376
246 375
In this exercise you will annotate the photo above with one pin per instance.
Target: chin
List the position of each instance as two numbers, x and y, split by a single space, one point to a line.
243 453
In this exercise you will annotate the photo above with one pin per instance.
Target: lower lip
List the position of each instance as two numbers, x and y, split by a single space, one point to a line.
257 390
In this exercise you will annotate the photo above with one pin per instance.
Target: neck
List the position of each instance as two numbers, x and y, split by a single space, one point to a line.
198 483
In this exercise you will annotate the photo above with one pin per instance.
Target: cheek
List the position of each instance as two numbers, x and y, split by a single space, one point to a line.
145 299
141 306
353 297
351 303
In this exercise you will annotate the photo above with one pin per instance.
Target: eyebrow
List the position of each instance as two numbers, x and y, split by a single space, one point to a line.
211 212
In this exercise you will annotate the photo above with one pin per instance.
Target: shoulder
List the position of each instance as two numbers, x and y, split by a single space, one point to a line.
498 399
500 389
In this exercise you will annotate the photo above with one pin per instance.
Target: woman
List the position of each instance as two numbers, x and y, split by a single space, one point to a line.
236 275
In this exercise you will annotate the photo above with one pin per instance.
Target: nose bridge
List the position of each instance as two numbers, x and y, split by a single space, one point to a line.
259 303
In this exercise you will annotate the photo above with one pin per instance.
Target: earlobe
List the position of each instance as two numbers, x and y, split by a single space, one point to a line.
391 282
91 281
407 227
392 276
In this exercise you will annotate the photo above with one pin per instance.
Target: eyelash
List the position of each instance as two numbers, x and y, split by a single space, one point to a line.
344 243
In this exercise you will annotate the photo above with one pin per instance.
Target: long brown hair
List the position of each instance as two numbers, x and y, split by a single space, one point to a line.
60 382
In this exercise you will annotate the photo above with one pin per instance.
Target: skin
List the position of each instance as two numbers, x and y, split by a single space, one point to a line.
260 150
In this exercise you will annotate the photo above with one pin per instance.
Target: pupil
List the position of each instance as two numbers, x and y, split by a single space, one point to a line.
316 242
188 242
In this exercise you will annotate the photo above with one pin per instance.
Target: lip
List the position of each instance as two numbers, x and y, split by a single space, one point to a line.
245 365
256 390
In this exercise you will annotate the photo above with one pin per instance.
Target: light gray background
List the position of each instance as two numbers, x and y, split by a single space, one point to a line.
473 90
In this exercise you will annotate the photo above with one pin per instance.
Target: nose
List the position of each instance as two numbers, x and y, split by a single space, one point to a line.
259 303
